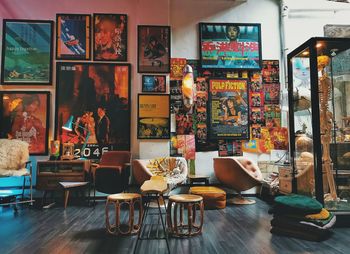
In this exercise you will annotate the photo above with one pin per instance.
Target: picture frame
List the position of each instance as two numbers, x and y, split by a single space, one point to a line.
25 115
153 49
27 47
230 46
154 83
153 116
228 109
110 37
73 33
97 96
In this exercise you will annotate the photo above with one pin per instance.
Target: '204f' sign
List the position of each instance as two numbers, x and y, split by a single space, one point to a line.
92 151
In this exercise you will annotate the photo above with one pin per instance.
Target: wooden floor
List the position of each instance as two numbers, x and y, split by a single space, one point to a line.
80 229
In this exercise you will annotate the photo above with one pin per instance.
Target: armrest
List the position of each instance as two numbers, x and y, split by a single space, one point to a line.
30 165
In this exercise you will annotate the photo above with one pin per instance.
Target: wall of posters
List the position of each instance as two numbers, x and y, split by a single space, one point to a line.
153 120
26 52
73 36
110 37
228 103
230 45
25 116
153 49
97 95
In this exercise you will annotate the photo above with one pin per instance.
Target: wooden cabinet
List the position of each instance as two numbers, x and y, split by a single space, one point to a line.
50 173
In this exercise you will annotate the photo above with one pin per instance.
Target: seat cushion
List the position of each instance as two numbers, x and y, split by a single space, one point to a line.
213 197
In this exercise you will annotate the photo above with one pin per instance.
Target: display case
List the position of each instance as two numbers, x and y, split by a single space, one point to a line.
319 120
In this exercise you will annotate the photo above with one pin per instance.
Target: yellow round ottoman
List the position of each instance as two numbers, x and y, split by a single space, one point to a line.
213 197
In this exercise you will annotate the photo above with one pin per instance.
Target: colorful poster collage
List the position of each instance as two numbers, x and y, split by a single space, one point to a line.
265 112
259 129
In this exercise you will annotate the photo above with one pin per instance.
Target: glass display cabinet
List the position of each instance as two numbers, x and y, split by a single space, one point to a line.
319 120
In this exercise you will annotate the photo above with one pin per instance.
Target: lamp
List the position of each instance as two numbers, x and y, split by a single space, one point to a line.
188 89
68 126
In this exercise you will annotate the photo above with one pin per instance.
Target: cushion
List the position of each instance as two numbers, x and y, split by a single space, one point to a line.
213 197
298 204
14 154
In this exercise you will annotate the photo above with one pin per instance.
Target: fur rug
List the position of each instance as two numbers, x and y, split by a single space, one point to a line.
14 154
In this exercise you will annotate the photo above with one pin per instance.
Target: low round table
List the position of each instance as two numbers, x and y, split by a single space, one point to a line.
118 200
176 226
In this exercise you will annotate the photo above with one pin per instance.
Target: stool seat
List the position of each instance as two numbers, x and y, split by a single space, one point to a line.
123 196
154 186
214 198
185 198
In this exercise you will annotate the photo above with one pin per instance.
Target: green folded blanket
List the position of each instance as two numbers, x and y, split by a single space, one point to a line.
297 204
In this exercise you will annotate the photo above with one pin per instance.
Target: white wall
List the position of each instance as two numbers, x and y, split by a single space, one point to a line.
184 18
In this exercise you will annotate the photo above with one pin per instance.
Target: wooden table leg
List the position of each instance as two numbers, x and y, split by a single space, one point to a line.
66 196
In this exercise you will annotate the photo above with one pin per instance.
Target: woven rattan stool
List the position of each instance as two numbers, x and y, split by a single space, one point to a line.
118 200
176 226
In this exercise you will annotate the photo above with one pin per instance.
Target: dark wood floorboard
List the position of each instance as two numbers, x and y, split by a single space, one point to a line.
80 229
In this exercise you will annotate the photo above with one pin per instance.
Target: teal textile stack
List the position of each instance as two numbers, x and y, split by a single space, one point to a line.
301 217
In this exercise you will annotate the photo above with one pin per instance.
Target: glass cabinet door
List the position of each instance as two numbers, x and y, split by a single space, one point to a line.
303 133
333 61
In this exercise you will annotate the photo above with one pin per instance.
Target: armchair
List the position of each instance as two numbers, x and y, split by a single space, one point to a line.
174 169
14 155
239 175
111 175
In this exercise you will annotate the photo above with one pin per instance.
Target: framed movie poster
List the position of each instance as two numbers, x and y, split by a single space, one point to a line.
96 96
230 46
110 37
26 52
153 120
154 83
229 109
25 116
73 36
153 49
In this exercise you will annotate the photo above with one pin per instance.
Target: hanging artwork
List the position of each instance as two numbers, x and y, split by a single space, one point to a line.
153 49
230 148
230 46
97 95
110 37
153 120
24 115
26 52
176 68
73 36
228 103
154 83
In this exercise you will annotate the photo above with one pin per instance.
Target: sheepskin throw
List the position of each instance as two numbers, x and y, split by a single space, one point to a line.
14 154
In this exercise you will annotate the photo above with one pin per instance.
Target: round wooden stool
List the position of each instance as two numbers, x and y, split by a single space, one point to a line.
118 200
179 202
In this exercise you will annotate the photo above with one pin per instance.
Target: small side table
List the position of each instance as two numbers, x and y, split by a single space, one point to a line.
70 185
198 179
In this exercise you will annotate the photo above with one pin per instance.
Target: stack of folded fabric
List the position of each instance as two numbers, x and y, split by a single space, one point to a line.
301 217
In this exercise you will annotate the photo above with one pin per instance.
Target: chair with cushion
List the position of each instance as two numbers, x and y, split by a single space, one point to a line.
239 175
14 156
111 175
174 169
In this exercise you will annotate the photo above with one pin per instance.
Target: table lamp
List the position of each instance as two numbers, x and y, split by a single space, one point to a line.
68 126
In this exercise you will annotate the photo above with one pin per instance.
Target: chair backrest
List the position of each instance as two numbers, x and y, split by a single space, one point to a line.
239 175
111 175
115 158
